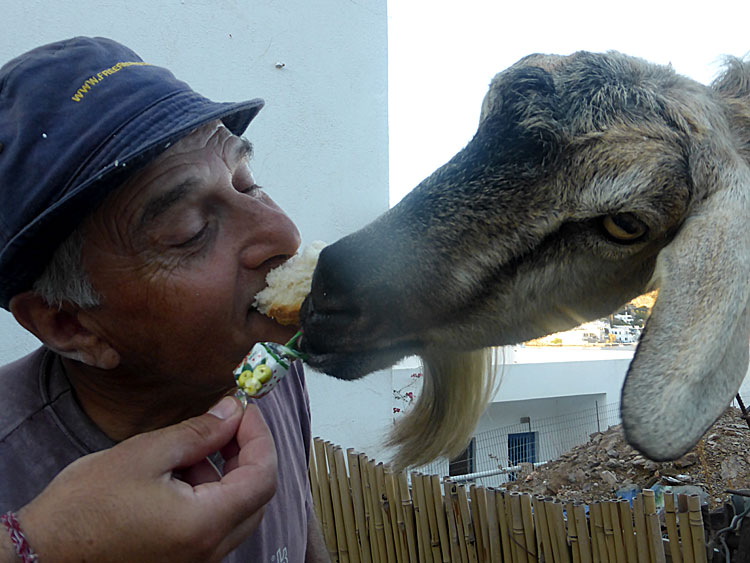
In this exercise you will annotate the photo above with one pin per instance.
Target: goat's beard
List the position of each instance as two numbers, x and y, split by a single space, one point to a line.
456 390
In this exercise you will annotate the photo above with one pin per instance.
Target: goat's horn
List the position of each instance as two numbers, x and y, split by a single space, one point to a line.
693 355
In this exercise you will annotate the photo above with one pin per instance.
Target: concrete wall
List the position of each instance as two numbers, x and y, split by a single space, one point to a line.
321 142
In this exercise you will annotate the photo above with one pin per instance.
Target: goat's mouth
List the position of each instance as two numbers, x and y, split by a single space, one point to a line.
336 344
352 364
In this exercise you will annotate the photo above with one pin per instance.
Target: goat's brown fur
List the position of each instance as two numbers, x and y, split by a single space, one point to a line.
512 239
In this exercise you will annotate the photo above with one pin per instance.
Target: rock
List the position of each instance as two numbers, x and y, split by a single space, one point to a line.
650 465
638 461
593 471
730 467
687 460
609 477
613 464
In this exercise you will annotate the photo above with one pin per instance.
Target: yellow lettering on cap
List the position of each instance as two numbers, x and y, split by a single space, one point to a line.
99 77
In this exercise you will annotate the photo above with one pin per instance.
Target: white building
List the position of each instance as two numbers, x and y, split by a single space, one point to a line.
626 334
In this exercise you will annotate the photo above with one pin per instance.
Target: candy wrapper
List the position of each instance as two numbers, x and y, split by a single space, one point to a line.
265 365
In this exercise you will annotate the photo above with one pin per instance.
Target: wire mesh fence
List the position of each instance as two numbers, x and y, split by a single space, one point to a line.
494 456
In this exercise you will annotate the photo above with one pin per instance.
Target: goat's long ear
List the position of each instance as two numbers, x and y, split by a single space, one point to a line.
693 355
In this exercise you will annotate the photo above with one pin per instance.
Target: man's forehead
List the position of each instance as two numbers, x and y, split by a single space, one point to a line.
198 137
162 182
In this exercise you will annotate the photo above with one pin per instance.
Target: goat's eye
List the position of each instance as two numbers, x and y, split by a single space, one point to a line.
624 227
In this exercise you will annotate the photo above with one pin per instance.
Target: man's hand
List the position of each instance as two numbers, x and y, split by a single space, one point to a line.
126 504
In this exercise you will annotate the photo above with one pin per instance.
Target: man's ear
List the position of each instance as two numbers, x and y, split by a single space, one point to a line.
60 330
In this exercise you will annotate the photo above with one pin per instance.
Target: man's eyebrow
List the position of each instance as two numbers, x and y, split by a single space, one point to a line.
158 205
161 203
244 149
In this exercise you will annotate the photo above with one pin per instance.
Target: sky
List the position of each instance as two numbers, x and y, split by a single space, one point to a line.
442 56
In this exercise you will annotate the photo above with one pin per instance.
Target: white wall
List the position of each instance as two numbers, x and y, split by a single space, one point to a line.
553 379
321 142
14 341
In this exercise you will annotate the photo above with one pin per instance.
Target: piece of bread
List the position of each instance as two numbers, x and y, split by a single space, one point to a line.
288 285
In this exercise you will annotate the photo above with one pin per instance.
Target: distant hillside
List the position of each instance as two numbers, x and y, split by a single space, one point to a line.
592 333
646 300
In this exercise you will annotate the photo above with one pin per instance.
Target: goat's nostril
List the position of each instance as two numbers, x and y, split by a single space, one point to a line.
334 280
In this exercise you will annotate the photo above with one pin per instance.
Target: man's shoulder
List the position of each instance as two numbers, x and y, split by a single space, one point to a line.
20 397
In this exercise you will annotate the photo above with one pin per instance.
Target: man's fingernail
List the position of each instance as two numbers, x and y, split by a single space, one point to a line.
224 408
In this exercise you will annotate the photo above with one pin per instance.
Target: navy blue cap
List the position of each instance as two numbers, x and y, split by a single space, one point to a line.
77 117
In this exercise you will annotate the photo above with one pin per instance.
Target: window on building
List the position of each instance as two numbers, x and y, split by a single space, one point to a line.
521 449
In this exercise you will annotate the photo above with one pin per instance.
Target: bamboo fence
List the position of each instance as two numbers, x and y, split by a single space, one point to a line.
370 514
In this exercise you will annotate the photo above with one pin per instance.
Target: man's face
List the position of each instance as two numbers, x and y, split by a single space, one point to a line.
178 254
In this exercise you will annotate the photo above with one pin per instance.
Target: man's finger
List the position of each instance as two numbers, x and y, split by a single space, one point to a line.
249 479
202 472
187 443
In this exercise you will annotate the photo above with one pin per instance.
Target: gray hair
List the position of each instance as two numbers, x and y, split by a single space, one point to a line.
65 279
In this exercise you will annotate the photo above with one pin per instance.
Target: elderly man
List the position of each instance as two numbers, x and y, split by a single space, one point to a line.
133 241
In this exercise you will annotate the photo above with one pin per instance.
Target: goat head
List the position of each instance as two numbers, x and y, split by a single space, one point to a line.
591 179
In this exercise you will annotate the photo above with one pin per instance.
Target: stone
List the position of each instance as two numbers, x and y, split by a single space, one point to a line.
609 477
730 467
686 460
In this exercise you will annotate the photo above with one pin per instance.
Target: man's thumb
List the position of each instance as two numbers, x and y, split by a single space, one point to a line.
192 440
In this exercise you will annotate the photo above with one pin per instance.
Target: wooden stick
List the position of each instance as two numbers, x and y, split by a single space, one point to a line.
553 528
519 539
575 548
338 511
420 514
479 525
528 527
493 535
358 502
392 503
670 517
459 523
377 512
468 526
653 528
385 511
537 530
686 534
696 528
626 522
582 530
407 506
327 521
617 528
542 530
312 471
437 497
500 501
509 520
609 532
560 533
346 505
641 536
454 519
597 534
403 541
609 536
437 556
368 492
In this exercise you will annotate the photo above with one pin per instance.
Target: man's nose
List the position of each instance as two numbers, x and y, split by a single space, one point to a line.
267 232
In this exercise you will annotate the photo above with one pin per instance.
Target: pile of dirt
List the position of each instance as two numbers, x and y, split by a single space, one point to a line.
607 465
